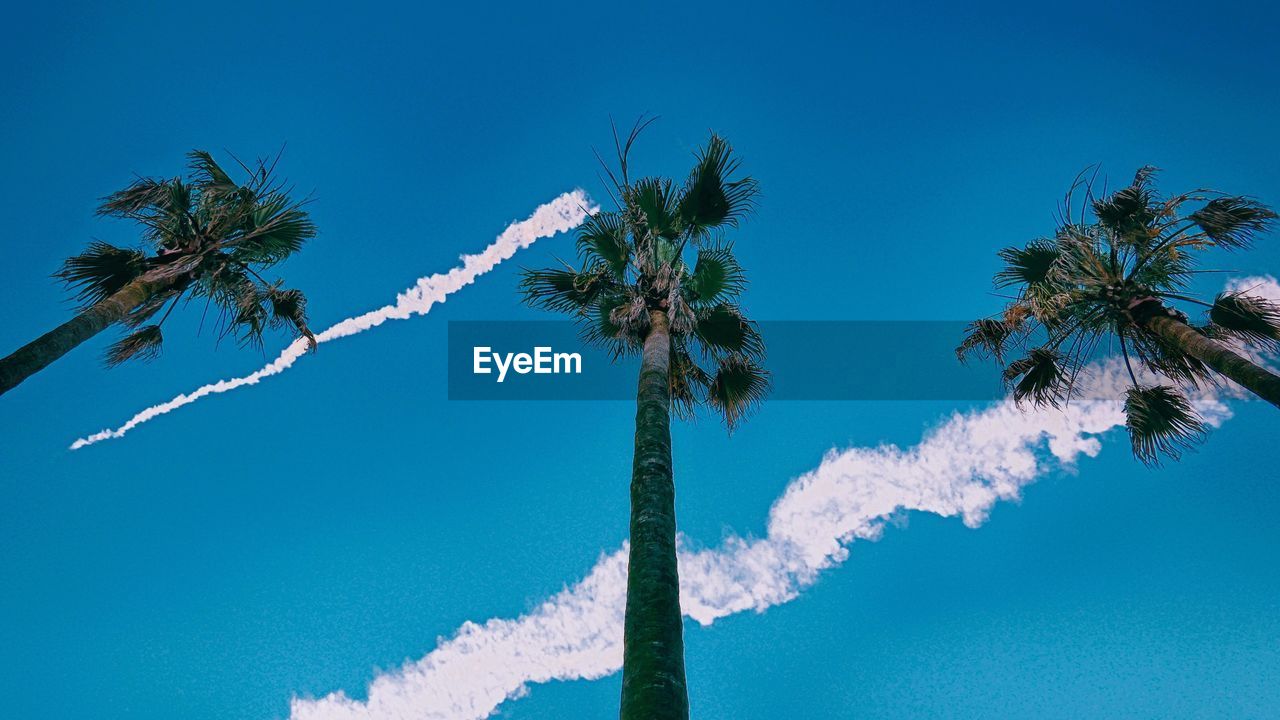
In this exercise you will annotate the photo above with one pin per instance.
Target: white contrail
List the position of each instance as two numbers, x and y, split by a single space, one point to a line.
960 468
564 213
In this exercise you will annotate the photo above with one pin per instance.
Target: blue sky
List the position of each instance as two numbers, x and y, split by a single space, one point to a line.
292 538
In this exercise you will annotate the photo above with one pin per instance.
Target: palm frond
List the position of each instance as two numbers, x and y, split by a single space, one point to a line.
603 237
274 229
1232 222
1168 268
723 329
141 344
613 324
738 387
208 175
1247 317
1130 212
141 195
716 276
250 315
984 338
1160 421
1041 376
1028 265
563 290
289 309
711 197
100 271
656 202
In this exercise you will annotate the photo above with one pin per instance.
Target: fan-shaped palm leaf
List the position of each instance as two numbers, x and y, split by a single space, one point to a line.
603 236
274 231
1250 318
1160 420
1042 376
101 270
656 204
1232 222
138 197
738 386
724 329
716 276
711 197
563 290
1028 265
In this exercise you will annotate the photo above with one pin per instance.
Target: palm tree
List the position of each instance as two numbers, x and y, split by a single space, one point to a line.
656 277
205 237
1116 272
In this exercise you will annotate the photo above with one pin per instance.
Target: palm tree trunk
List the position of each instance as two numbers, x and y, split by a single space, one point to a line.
39 353
1221 358
653 684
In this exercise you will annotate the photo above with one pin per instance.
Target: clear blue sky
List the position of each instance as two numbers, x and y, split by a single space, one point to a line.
293 537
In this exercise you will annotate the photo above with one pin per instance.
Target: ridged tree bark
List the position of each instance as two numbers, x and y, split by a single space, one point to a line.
1221 358
39 353
653 682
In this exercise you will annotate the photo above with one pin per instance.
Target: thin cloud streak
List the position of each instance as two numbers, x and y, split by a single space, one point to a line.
961 468
560 215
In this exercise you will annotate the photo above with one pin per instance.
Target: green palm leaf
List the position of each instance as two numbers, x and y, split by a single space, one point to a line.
289 309
603 237
1129 213
563 290
716 276
723 329
208 174
711 197
737 388
274 230
656 204
101 270
1232 222
1250 318
138 197
1160 420
1042 376
1028 265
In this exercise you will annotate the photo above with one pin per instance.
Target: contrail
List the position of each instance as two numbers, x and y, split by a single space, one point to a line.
960 468
564 213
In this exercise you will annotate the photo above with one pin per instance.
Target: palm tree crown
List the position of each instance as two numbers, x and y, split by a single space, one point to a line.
206 236
663 249
1110 272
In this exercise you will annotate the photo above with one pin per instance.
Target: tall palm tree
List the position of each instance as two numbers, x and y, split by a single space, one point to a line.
1115 269
656 277
205 237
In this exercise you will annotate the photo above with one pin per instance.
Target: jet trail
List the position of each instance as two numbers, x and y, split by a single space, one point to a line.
961 468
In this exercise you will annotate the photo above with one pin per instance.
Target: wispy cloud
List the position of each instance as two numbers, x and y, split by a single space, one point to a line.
961 468
564 213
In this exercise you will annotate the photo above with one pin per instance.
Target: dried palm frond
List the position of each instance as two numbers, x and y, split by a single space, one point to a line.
141 344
